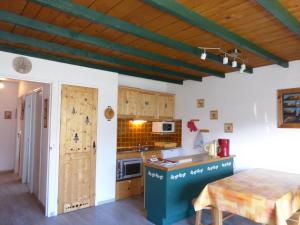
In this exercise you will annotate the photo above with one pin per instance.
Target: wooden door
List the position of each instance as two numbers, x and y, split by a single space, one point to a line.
128 101
77 148
166 106
148 105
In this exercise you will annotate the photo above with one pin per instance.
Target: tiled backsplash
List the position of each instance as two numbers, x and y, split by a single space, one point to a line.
132 134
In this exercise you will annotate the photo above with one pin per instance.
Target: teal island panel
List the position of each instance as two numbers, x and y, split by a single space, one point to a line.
169 194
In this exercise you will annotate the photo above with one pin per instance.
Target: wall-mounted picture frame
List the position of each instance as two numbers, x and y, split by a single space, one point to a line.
214 114
7 115
288 108
45 113
200 103
228 127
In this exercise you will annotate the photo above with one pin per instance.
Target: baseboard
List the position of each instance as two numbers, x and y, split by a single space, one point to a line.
106 201
40 204
42 207
6 171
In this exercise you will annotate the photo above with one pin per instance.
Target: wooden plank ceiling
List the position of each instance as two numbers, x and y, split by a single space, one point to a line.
151 41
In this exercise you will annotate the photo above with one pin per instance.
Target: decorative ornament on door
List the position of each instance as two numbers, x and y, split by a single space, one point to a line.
73 111
87 120
76 138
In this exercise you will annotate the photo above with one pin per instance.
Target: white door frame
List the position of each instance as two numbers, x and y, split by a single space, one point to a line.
53 117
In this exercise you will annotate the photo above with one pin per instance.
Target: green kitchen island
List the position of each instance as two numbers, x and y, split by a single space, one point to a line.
170 189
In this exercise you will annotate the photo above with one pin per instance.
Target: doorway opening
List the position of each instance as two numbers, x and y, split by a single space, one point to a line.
24 138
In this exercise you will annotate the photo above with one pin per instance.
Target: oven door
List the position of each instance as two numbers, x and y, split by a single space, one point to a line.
132 168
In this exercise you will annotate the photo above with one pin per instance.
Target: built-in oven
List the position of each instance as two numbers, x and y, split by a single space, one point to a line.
129 168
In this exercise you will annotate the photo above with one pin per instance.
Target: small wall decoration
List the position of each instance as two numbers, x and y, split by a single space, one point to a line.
45 114
200 103
214 115
7 115
109 113
228 127
22 65
288 103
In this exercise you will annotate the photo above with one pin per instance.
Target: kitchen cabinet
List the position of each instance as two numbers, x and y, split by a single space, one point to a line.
141 104
166 106
127 101
128 188
147 105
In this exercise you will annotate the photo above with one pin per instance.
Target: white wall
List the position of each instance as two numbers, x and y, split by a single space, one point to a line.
8 102
57 74
250 102
142 83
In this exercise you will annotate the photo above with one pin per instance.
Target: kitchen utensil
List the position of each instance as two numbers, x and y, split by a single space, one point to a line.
212 148
223 147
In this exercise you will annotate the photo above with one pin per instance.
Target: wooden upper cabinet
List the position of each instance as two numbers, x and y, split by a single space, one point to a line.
166 106
142 104
147 106
127 101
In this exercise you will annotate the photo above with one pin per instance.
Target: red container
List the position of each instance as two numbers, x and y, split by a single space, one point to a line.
224 147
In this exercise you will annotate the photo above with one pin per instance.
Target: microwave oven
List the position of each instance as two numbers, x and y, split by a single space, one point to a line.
163 127
129 168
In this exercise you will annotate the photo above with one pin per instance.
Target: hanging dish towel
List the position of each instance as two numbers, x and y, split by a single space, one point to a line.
191 125
198 143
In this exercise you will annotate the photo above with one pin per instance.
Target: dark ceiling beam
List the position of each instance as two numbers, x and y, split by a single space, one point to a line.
282 14
180 11
90 55
59 31
109 21
76 62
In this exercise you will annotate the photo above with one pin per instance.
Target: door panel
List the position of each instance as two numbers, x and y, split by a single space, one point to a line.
128 101
148 105
77 148
166 106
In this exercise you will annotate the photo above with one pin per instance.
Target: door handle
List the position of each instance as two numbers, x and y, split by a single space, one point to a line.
94 147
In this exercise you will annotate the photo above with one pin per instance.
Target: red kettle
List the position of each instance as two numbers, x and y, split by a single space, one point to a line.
223 147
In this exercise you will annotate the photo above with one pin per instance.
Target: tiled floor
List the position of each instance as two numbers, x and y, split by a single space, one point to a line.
18 207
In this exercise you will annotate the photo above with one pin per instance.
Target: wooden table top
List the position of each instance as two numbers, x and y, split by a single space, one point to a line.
264 196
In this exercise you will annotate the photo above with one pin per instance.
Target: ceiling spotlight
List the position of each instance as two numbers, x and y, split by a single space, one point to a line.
234 63
203 55
225 59
1 85
243 67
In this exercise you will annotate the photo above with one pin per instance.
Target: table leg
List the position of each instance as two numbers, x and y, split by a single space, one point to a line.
217 216
198 217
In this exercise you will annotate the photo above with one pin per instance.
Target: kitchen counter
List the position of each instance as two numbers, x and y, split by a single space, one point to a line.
191 160
170 189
